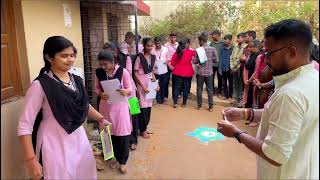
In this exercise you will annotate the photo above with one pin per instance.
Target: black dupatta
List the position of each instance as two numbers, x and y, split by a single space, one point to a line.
69 107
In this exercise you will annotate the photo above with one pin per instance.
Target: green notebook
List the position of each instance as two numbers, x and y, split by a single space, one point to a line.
134 106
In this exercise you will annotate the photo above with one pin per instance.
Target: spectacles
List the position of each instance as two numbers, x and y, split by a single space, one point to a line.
268 54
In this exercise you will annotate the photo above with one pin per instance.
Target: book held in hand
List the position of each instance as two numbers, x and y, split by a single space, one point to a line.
107 147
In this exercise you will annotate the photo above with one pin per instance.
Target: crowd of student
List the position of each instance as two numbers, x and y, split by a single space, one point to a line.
241 70
63 103
240 67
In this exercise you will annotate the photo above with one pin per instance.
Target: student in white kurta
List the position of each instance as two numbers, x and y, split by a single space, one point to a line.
287 142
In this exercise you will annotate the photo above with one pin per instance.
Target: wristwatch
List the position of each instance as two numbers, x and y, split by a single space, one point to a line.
237 135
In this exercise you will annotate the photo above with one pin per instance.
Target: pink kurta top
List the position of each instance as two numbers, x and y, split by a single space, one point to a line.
117 114
64 156
133 85
145 79
140 48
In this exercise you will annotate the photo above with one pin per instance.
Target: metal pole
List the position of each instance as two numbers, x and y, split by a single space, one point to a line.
136 25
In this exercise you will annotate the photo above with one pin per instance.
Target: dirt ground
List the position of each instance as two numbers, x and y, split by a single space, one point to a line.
170 154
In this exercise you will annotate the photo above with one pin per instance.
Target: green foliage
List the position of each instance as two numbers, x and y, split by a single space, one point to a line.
257 15
191 19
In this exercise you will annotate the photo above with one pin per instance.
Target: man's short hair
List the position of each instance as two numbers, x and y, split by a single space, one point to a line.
139 37
216 32
291 30
129 35
203 37
228 36
242 34
252 33
173 34
157 39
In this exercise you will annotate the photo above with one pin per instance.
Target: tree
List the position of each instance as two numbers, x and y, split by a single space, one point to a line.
232 17
257 15
190 19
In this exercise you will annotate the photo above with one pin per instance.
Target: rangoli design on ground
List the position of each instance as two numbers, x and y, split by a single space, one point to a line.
206 134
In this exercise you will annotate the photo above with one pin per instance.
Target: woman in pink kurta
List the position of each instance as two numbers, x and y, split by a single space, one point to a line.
117 113
126 62
61 149
62 154
144 67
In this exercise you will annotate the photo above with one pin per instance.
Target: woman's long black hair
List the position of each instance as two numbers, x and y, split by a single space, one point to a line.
182 46
52 46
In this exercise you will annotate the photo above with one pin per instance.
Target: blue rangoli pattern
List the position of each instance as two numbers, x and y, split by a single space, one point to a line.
205 134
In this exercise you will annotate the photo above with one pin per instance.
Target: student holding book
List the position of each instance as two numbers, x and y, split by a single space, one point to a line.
50 129
125 61
117 113
143 69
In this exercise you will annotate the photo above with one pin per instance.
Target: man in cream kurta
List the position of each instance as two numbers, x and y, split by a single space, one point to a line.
290 126
287 141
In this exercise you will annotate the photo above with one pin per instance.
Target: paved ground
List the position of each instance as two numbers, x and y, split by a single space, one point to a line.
170 154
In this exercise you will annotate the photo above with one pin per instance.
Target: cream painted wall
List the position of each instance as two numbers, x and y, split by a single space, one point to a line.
162 8
12 162
45 18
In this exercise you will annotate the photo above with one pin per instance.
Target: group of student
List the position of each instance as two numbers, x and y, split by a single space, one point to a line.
54 141
243 70
240 69
50 128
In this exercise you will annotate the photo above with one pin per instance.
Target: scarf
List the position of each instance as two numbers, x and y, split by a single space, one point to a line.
69 108
147 68
102 75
